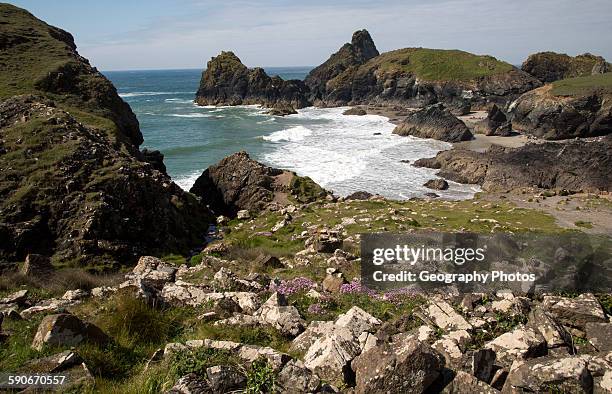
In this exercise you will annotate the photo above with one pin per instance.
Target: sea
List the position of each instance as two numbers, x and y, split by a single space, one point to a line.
343 153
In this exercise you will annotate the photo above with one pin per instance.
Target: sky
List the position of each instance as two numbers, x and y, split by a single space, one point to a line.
170 34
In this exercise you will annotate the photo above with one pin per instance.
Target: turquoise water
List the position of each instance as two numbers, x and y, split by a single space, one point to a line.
342 153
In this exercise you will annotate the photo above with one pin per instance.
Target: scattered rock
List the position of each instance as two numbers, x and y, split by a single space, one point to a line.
333 282
15 298
464 383
243 214
224 379
575 312
285 318
442 314
520 343
296 378
360 195
599 335
496 123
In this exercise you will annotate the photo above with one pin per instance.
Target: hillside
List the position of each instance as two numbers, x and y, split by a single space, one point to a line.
73 184
582 86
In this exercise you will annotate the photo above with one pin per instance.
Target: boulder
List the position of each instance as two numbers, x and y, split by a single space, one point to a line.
599 335
268 261
53 305
564 374
355 111
407 367
37 265
17 297
296 378
496 123
65 363
441 314
575 312
66 330
551 330
330 356
176 294
282 109
327 242
356 320
333 282
464 383
190 384
435 122
359 195
243 214
277 313
314 331
224 378
520 343
436 184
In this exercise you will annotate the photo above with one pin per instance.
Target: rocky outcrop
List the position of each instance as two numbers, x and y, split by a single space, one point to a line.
350 55
435 122
496 123
282 109
355 111
551 66
241 183
226 81
415 77
574 165
548 114
73 185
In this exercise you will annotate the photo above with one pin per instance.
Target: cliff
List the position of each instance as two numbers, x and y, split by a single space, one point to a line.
73 185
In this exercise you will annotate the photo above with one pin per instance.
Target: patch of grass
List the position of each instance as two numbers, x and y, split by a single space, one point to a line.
305 189
259 335
261 378
583 224
581 86
439 64
16 351
504 323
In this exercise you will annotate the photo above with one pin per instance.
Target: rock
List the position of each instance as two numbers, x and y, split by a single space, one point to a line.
355 111
551 66
545 114
551 330
75 295
243 214
37 265
357 52
155 158
483 361
282 109
327 242
361 195
599 335
566 374
464 383
226 307
226 81
285 318
66 330
17 297
434 122
436 184
190 384
196 296
442 314
356 320
496 123
330 356
239 183
296 378
333 282
572 165
520 343
224 378
52 305
408 367
267 261
153 272
314 331
65 363
575 312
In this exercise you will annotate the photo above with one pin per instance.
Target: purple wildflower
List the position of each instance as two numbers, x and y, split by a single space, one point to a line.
292 286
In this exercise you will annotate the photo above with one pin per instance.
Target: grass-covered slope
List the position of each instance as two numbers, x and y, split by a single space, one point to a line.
36 58
580 86
440 64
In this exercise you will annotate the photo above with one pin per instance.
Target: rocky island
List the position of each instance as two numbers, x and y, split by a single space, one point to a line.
250 282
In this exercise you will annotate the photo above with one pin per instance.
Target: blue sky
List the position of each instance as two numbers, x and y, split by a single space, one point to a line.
156 34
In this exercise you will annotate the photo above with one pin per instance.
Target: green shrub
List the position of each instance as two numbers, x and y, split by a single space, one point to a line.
197 360
260 377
